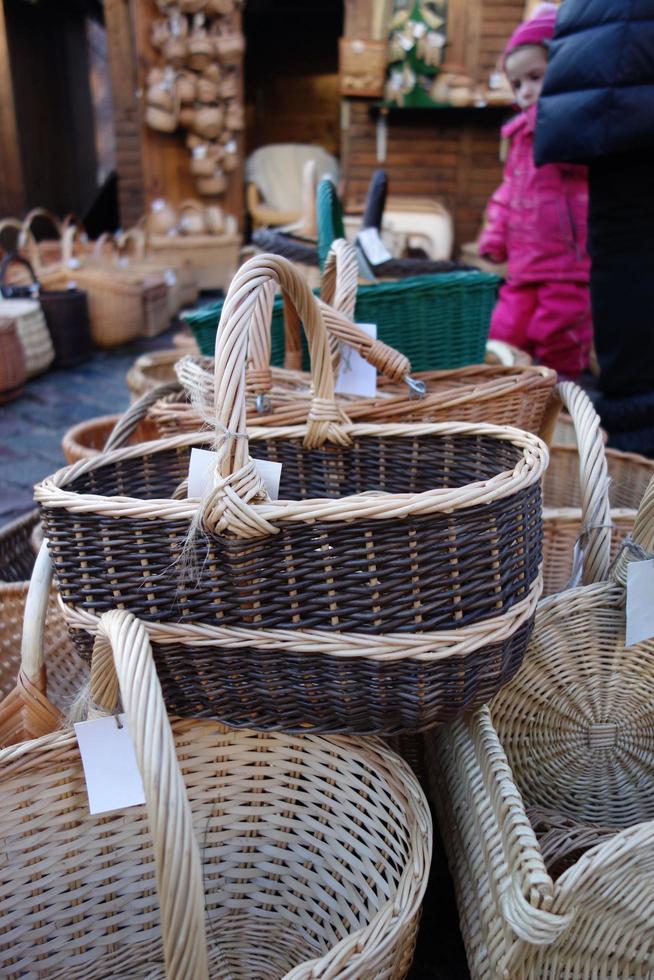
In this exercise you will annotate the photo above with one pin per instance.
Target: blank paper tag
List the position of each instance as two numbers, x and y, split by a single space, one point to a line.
355 375
203 462
113 778
373 246
640 601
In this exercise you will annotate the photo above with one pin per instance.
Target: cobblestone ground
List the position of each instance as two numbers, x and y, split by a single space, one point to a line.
31 429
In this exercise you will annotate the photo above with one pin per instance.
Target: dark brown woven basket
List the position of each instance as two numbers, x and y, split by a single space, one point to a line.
328 624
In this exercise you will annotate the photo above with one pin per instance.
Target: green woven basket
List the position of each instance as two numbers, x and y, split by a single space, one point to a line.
438 321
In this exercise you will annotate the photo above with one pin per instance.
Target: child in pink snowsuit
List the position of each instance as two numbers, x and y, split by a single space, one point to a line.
537 221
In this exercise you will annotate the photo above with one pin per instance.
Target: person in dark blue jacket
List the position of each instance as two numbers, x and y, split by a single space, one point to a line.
597 107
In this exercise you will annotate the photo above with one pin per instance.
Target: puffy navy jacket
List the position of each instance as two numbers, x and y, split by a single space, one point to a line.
598 96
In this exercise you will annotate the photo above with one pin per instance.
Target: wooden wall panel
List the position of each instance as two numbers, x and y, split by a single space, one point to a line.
12 199
448 154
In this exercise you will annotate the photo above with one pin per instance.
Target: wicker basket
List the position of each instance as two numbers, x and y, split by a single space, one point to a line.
12 362
180 279
122 306
272 856
572 734
32 333
88 438
587 492
150 370
33 631
213 258
349 641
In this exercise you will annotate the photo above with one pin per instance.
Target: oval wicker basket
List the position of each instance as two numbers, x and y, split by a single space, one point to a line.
150 370
249 870
88 438
570 740
328 636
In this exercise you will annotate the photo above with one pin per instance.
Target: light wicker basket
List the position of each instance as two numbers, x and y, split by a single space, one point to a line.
32 333
334 638
570 736
122 305
31 704
588 491
271 856
150 370
214 258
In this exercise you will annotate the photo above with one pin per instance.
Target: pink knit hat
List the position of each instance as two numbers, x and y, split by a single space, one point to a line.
538 29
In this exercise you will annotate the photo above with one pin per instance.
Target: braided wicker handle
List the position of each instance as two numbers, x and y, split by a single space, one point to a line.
593 477
238 482
339 291
642 536
128 423
122 658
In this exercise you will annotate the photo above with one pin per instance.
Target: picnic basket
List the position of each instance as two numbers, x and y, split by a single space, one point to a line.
571 737
255 855
588 491
283 614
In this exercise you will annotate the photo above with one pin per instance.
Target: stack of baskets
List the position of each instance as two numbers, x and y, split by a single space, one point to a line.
371 597
389 587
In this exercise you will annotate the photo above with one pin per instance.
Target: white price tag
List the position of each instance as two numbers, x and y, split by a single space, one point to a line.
203 462
640 601
355 375
113 778
373 247
170 278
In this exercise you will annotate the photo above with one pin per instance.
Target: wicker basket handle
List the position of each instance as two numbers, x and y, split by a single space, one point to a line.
595 535
135 414
339 291
43 213
524 903
26 711
13 258
105 240
237 480
122 658
132 237
642 537
16 226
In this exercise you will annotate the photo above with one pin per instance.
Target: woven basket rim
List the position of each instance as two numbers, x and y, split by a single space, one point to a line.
376 505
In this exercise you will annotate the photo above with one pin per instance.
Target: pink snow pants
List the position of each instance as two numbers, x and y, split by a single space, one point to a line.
551 321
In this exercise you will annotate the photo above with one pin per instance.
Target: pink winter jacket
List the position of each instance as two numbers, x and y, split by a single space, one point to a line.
537 217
